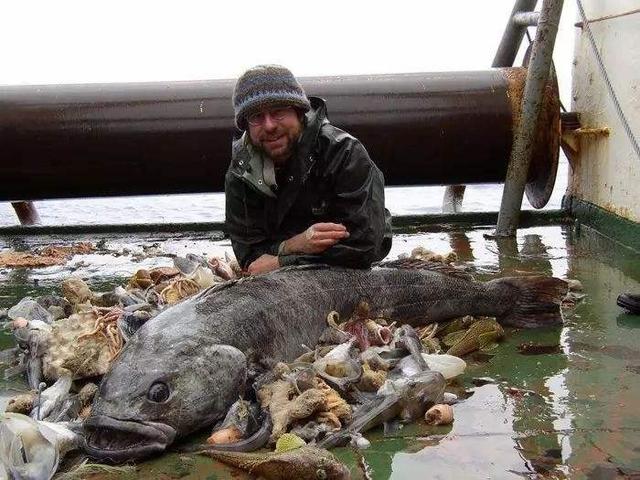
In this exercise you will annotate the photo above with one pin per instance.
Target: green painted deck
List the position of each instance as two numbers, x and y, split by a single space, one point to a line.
567 414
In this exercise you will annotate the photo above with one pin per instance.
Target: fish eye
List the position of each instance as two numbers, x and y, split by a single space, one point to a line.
158 392
321 474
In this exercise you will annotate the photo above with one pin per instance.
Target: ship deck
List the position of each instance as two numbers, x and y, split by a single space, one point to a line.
565 410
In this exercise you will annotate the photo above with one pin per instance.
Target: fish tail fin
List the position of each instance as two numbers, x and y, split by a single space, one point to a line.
537 301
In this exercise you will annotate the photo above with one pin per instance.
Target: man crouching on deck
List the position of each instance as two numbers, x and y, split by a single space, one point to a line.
298 189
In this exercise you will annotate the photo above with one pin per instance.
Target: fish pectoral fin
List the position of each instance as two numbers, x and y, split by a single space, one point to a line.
416 264
452 338
487 341
391 426
488 347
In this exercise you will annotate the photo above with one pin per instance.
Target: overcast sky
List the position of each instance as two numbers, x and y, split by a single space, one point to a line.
66 41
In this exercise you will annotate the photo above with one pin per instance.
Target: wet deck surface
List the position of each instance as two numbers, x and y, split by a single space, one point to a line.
570 412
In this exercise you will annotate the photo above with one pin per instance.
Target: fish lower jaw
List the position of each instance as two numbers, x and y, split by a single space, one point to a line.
116 441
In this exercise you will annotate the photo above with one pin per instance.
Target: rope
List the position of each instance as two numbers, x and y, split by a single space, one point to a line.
603 71
610 17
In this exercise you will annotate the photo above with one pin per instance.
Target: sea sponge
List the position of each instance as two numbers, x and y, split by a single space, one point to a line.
85 357
22 403
371 379
289 441
284 408
335 404
440 414
75 290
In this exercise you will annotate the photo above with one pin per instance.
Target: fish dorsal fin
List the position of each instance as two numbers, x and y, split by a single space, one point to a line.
219 286
417 264
311 266
229 283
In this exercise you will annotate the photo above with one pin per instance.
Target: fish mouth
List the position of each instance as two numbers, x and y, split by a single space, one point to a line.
115 441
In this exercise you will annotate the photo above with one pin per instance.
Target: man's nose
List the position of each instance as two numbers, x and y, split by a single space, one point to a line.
269 122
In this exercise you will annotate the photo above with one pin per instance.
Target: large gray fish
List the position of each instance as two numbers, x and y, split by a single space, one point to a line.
184 368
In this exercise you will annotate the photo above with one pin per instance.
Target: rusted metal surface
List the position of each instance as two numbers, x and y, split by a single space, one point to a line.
505 56
525 145
543 165
26 212
152 138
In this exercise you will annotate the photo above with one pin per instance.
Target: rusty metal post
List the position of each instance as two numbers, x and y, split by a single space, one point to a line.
505 56
537 75
26 212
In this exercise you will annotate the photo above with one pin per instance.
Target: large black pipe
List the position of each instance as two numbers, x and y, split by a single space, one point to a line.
61 141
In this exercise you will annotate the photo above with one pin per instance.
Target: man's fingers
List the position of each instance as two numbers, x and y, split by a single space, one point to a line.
329 234
325 227
326 242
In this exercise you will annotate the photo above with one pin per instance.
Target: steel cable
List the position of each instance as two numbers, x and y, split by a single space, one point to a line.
605 75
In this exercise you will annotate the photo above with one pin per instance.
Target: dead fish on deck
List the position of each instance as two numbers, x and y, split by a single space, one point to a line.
304 463
32 337
52 398
408 339
185 367
31 450
408 399
241 422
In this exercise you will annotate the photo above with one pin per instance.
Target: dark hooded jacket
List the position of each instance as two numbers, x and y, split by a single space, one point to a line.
330 178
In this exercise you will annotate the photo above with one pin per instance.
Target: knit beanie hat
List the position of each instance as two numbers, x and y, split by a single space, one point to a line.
264 86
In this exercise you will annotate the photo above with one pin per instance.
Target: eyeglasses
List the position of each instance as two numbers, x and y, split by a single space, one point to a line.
277 114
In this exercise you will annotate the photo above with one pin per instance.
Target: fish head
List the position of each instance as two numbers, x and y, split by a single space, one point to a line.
323 465
421 390
156 392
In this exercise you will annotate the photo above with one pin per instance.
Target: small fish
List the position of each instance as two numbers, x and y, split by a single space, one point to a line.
407 338
70 408
351 369
407 400
255 442
31 310
244 416
221 268
130 322
52 398
480 335
33 339
31 450
304 463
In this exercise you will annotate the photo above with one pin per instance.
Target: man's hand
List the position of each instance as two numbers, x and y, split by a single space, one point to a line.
316 239
263 264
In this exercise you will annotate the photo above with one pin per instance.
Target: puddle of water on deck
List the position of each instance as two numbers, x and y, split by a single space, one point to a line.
569 414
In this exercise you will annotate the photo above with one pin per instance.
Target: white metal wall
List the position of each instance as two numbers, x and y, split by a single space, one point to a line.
607 170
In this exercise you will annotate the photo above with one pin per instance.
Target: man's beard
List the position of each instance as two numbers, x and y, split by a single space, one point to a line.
279 154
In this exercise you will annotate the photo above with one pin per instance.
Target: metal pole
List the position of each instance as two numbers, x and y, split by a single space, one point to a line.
513 35
26 212
526 19
452 200
537 76
505 56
